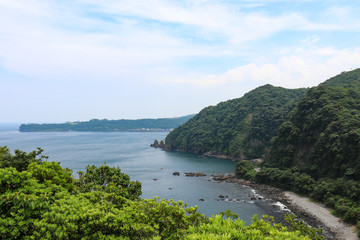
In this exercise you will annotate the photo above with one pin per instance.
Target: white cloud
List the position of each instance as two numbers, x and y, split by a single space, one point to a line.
300 68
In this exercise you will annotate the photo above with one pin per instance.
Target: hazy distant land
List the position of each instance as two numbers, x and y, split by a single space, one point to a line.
104 125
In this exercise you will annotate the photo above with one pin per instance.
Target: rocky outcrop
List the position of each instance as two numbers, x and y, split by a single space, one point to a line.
222 177
222 196
158 144
195 174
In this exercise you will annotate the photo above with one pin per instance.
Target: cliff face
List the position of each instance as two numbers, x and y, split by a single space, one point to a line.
240 128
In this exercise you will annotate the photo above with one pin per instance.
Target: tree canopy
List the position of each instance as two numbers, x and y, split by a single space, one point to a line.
322 134
317 149
241 127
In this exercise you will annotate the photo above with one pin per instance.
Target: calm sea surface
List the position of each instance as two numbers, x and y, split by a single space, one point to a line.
131 152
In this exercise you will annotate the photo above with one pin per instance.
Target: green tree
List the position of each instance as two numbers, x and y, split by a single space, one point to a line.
20 160
108 179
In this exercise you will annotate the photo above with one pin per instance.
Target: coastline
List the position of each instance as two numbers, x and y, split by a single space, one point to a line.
314 214
319 211
223 156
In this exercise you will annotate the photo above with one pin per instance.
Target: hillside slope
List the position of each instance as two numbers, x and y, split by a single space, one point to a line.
349 79
240 128
321 136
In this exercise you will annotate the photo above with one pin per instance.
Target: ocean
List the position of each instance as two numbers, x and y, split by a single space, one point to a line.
154 168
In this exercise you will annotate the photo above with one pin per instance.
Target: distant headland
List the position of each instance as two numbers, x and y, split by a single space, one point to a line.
105 125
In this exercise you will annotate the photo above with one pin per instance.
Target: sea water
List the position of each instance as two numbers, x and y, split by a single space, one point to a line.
154 168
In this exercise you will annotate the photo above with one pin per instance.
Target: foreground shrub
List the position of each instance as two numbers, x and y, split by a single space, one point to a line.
44 201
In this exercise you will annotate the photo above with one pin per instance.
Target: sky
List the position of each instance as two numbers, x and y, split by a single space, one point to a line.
129 59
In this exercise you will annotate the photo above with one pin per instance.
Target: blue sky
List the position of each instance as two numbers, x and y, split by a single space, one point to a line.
82 59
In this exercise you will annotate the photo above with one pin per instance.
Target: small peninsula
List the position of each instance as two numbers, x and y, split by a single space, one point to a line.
105 125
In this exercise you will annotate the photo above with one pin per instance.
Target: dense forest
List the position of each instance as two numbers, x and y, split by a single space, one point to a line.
240 128
42 200
322 135
104 125
317 149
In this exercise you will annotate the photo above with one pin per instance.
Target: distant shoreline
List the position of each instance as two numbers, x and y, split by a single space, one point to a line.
105 125
125 130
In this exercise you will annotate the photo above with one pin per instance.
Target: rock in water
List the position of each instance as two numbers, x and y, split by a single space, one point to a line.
195 174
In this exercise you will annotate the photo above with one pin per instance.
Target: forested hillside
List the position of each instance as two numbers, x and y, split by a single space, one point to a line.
317 149
345 79
240 128
322 134
104 125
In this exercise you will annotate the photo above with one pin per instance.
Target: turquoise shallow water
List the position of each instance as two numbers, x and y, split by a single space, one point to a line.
131 152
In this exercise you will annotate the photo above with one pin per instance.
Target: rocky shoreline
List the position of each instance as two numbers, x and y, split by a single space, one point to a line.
212 155
333 228
279 195
161 145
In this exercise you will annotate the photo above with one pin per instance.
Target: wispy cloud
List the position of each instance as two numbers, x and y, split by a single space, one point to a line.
298 68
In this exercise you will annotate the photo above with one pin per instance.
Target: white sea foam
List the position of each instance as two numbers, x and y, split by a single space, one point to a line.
281 206
256 195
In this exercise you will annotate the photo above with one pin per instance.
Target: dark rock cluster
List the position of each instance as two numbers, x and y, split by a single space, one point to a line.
195 174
